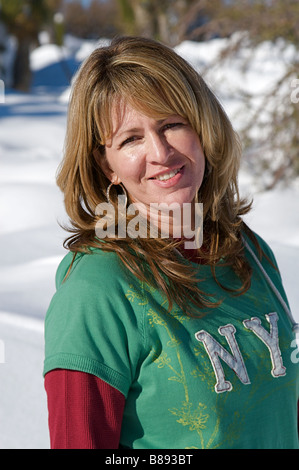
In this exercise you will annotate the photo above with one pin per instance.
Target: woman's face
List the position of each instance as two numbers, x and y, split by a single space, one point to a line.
158 161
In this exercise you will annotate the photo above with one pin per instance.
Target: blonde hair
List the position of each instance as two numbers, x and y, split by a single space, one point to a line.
158 82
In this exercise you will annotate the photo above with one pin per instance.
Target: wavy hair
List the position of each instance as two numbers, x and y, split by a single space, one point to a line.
158 82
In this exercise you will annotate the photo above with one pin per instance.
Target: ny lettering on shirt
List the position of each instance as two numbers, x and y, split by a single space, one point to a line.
235 360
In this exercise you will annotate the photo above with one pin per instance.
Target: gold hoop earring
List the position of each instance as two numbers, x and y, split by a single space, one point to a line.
124 192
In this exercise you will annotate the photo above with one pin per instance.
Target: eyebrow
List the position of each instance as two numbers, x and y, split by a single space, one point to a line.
128 131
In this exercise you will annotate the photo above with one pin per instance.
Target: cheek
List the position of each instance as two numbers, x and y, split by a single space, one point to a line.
195 153
129 170
131 165
200 158
188 143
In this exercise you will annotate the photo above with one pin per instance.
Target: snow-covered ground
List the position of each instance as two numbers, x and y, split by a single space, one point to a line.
32 129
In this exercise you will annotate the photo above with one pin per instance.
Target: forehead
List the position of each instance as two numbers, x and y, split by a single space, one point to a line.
125 114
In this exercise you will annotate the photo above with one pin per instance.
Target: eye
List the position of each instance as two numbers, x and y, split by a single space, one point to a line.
128 141
172 125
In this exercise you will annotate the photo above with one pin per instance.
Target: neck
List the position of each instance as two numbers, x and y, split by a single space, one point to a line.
174 221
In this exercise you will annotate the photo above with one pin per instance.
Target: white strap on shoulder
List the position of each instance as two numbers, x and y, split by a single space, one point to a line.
295 325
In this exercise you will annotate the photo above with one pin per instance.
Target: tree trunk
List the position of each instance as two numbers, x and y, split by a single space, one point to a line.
21 70
163 28
144 19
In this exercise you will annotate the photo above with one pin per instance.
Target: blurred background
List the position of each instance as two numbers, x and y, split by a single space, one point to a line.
247 51
25 25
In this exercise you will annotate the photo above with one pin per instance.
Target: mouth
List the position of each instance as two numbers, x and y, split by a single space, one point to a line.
167 175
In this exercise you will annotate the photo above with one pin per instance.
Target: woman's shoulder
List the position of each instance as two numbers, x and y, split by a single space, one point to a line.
88 284
93 266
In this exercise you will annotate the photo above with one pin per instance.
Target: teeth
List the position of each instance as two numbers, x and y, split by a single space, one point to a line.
167 176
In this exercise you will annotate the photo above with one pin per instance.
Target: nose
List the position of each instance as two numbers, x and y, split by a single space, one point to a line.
159 150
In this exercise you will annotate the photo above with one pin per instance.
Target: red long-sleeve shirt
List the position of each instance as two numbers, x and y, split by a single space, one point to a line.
84 411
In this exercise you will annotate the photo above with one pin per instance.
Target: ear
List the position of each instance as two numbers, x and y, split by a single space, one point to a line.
103 163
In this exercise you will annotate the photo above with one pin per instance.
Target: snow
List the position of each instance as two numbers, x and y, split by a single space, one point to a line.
49 54
31 141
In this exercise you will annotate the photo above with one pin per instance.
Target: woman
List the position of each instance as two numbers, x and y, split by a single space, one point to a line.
151 343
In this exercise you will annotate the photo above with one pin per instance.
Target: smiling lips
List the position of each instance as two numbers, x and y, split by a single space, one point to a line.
166 176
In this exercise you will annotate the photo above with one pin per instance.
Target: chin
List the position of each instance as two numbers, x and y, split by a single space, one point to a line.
182 199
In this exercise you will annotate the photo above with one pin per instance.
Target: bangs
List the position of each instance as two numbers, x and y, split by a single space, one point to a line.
152 96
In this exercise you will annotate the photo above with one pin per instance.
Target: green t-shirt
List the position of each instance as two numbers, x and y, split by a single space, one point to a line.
229 379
